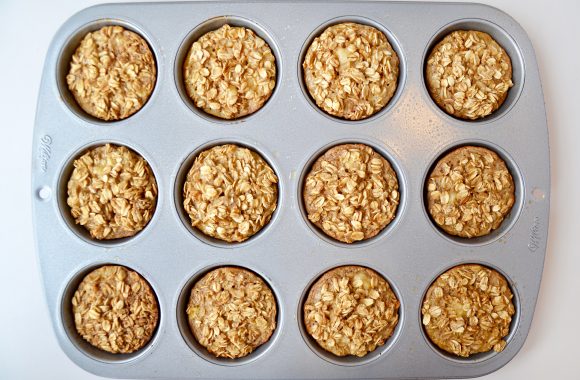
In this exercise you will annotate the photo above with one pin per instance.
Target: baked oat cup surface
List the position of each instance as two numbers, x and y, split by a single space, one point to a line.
112 192
468 310
351 70
231 312
351 310
468 74
112 73
230 193
351 193
115 309
470 192
229 72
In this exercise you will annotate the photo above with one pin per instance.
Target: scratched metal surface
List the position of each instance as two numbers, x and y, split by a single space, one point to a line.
290 132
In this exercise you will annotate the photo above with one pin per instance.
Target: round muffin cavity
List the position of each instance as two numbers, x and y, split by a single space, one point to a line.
468 310
231 312
468 74
230 193
115 309
351 310
351 193
112 192
229 72
351 70
470 191
112 73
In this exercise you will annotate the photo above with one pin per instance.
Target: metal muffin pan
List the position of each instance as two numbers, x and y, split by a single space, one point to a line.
290 132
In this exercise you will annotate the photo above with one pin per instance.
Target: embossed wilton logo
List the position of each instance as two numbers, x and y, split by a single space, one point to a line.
44 152
534 243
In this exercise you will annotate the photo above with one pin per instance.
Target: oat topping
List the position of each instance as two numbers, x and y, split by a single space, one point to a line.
115 309
230 72
230 193
469 74
351 310
468 310
351 192
112 73
470 192
351 70
231 312
112 192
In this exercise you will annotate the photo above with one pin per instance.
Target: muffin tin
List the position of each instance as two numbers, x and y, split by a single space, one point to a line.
290 132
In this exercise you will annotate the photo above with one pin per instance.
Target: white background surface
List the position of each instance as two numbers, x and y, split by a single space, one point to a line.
28 348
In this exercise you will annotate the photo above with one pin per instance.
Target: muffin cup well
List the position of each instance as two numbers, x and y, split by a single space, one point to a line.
181 178
349 360
68 321
482 356
211 25
505 41
201 351
509 220
64 60
392 41
401 178
62 194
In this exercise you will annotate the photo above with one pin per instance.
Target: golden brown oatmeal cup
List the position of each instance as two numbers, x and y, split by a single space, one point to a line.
351 70
230 193
115 310
351 310
229 72
468 310
112 192
468 74
470 192
231 312
112 73
351 193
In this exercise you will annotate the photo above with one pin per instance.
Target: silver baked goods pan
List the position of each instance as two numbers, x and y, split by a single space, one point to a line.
290 132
